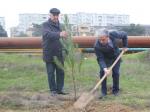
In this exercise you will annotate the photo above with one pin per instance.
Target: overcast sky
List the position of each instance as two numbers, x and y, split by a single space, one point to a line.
138 10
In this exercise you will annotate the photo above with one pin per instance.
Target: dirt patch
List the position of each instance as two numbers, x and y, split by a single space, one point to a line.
108 107
95 106
43 102
30 101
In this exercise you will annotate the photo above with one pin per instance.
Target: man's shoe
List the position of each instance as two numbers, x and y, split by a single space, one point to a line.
53 93
116 93
103 95
62 93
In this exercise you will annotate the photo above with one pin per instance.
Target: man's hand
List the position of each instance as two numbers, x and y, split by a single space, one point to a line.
63 34
106 70
125 49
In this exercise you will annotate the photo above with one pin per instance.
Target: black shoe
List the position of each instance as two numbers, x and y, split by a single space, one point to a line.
103 95
62 93
53 93
116 93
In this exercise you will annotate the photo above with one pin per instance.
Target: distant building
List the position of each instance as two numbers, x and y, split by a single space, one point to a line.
2 22
72 18
29 32
90 21
93 19
82 30
26 20
13 31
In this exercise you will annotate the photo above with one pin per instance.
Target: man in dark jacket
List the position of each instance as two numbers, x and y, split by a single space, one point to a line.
52 47
107 51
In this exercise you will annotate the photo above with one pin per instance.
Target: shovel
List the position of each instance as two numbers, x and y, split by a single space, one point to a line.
85 98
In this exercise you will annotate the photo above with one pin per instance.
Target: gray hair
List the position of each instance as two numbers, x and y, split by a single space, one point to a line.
102 32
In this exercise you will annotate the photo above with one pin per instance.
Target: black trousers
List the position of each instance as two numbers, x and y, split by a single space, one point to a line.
115 76
55 76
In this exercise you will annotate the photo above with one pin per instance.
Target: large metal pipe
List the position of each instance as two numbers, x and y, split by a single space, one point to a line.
133 41
20 43
83 42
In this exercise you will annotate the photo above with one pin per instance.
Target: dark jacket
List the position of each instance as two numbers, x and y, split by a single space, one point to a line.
103 54
51 41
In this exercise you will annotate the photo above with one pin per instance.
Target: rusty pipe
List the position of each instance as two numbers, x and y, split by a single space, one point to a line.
83 42
133 41
20 42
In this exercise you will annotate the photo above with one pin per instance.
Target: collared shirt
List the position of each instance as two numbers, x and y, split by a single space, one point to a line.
109 44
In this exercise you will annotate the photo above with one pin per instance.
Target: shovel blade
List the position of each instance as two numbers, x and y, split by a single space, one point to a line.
83 100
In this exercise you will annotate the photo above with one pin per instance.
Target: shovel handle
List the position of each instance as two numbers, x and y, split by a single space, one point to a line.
105 75
120 55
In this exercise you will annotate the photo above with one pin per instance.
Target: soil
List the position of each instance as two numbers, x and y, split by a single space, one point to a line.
44 102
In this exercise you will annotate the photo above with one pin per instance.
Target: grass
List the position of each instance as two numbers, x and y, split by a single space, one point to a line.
27 73
22 72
